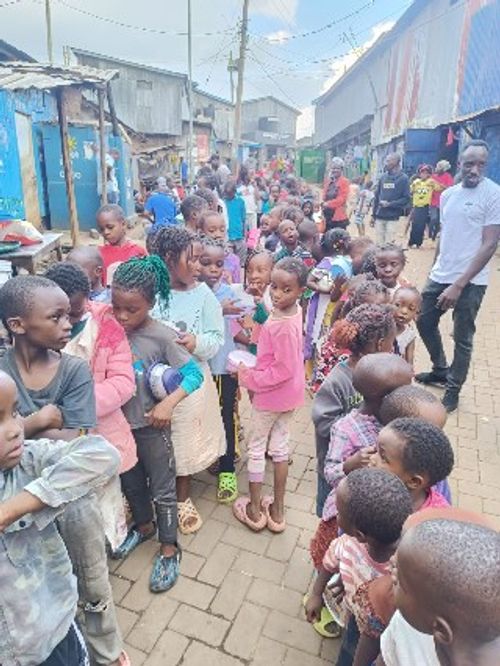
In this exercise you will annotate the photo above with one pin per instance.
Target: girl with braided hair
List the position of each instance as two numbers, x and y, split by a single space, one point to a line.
361 289
192 308
136 285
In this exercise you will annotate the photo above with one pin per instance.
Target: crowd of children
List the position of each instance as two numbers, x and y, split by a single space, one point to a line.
125 373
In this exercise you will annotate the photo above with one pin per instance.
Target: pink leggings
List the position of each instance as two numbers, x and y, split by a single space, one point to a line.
270 430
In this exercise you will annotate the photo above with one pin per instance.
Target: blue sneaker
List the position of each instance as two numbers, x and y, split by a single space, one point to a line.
165 572
133 539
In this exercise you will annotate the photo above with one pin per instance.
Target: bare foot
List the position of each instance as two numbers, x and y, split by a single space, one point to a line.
252 514
277 514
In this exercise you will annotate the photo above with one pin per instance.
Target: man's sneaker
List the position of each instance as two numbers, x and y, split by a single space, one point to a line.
165 572
450 401
133 539
431 378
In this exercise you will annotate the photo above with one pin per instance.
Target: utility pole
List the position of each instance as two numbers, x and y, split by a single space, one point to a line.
48 25
190 97
231 68
239 88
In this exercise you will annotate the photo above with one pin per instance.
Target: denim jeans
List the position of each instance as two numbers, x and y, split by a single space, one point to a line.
153 478
464 327
83 534
71 650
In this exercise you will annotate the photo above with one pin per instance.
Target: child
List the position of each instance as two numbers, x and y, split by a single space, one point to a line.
366 329
390 261
358 248
117 248
274 195
56 400
407 304
372 508
192 208
100 341
213 225
197 428
420 454
38 603
277 385
336 264
293 213
135 286
308 242
354 437
415 402
364 206
89 259
212 263
236 214
289 240
269 230
448 575
422 189
308 209
361 289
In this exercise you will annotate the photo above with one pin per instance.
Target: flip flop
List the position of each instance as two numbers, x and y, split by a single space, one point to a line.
240 512
272 525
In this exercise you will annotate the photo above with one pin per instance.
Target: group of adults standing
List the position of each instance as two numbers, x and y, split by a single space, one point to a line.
468 216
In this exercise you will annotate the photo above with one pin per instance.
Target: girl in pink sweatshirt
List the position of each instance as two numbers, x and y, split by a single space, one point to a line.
276 385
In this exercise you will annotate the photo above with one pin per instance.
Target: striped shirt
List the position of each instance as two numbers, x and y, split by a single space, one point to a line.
351 558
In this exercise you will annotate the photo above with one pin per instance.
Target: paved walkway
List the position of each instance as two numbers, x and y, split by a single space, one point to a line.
239 599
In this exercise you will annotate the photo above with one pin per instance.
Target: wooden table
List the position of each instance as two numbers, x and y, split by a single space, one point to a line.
28 256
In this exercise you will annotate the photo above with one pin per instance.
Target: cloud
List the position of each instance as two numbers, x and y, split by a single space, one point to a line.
278 37
340 65
305 122
282 9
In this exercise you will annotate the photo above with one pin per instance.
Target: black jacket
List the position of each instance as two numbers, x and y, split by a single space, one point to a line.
396 189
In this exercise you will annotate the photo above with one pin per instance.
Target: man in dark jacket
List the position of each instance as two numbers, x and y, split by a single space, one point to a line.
392 196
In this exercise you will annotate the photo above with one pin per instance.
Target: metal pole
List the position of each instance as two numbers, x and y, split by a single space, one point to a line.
239 88
190 98
48 25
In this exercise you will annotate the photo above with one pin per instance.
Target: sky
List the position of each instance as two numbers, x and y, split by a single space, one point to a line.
296 48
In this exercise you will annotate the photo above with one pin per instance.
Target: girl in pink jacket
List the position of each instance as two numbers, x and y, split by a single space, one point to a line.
99 339
276 385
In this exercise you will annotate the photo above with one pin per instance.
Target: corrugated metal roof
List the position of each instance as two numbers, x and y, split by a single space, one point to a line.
23 76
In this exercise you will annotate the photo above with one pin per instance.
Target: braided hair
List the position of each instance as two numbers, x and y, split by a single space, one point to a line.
147 275
391 247
70 277
364 325
362 288
170 240
335 241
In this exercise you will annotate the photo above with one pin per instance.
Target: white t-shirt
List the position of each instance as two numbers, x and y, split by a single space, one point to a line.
402 645
465 211
247 193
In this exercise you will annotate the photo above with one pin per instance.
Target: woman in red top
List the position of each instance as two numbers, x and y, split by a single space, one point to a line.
444 179
335 196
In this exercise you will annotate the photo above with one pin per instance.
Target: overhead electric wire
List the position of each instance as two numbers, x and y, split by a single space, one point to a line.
129 26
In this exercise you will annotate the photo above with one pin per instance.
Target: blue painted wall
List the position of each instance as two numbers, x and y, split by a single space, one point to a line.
11 187
123 169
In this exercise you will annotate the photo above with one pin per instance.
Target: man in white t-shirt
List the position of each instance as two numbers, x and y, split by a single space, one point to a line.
470 231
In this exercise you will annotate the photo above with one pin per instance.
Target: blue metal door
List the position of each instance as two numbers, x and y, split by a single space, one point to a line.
421 147
84 158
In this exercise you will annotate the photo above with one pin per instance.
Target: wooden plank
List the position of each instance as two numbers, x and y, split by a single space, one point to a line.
67 166
102 147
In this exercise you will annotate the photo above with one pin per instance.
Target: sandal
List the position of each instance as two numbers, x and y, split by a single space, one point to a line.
326 626
185 511
240 512
272 525
227 490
